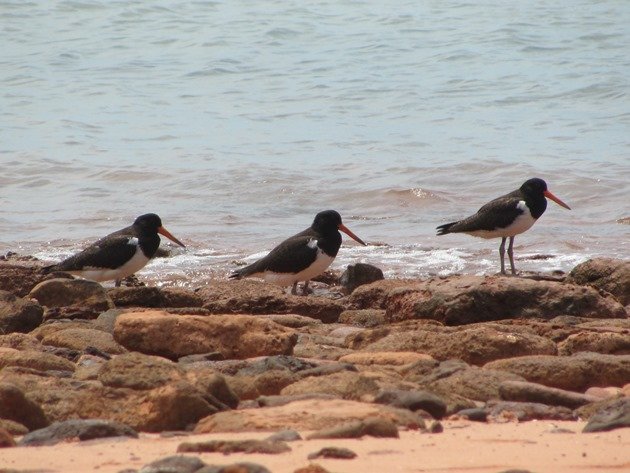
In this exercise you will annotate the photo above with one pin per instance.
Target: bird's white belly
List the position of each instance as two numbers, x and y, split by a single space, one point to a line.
136 263
286 279
521 224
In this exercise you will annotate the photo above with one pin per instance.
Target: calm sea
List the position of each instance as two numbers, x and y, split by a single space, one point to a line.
237 121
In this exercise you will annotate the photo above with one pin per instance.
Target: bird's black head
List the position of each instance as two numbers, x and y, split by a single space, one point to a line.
326 221
148 223
534 187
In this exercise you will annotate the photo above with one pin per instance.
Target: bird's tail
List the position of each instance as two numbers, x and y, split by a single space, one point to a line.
242 272
446 228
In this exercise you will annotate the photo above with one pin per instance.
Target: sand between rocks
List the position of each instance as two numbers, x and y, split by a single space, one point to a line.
463 446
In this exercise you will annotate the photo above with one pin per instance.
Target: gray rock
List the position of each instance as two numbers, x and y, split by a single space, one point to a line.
524 391
525 411
359 274
614 416
413 400
288 435
338 453
18 315
174 464
79 429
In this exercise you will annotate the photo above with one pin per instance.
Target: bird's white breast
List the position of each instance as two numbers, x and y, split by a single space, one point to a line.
322 261
134 264
520 224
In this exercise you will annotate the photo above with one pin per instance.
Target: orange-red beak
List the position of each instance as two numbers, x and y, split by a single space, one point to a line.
549 195
344 229
167 234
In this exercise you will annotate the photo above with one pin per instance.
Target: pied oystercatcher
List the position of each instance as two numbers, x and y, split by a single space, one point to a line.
303 256
119 254
506 216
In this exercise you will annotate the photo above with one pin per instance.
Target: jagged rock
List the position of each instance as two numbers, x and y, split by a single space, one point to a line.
82 429
234 336
611 275
72 293
255 297
359 274
18 315
573 373
17 407
310 414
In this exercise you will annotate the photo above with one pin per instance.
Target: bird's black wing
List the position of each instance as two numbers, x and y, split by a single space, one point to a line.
110 252
291 256
498 213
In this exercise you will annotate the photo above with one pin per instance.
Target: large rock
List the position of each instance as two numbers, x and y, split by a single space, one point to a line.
458 300
573 373
36 360
613 416
20 341
310 414
18 279
82 338
344 384
611 275
476 345
72 293
174 336
532 392
255 297
17 407
611 343
80 429
18 315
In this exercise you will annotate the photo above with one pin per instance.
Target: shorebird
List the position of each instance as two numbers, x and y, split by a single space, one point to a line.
119 254
506 216
302 256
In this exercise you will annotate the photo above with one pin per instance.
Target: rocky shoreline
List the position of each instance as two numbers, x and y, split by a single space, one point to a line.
367 358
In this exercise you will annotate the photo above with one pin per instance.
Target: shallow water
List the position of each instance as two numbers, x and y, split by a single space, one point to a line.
237 121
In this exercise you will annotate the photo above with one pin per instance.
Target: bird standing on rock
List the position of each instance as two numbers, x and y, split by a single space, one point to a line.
303 256
506 216
119 254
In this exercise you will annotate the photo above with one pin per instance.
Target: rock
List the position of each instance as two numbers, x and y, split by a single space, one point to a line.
6 439
14 428
20 341
138 371
19 279
312 468
290 320
16 407
80 429
384 358
374 427
502 411
435 427
240 467
413 400
72 292
81 339
18 315
106 320
573 373
604 393
523 391
473 383
310 414
88 367
213 386
359 274
461 300
476 345
345 384
182 298
174 464
254 297
608 274
275 401
234 446
363 317
234 336
338 453
212 356
614 416
286 435
474 414
610 343
140 296
36 360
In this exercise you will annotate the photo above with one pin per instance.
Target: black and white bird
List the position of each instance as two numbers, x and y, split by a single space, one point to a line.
506 216
303 256
119 254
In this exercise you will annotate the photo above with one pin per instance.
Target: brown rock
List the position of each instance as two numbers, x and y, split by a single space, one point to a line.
18 408
573 373
20 341
522 391
374 295
344 384
391 358
255 297
72 292
374 427
363 317
479 384
611 275
234 446
174 336
312 468
140 296
81 338
476 345
14 428
311 414
176 297
291 320
359 274
6 439
36 360
18 315
503 411
610 343
19 279
138 371
461 300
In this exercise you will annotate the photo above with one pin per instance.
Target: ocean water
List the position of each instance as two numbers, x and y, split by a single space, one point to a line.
236 122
